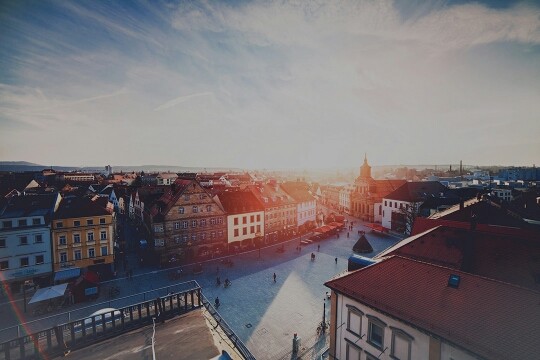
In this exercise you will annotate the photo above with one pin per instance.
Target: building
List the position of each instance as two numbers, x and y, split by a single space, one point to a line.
402 205
83 236
376 314
306 206
25 238
330 195
166 178
245 219
186 222
279 211
345 195
78 177
503 194
366 200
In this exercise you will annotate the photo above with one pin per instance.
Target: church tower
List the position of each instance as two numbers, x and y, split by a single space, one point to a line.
365 169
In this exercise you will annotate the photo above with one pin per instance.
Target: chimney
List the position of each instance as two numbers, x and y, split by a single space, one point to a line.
461 204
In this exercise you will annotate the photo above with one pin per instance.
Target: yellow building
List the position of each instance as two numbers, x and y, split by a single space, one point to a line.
82 236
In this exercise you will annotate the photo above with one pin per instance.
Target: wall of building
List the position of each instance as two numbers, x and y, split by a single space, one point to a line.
350 336
252 223
37 245
102 247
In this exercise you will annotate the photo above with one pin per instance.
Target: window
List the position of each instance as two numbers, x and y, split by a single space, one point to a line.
195 209
186 197
193 223
371 357
244 220
212 235
376 332
59 225
40 259
23 240
38 239
252 229
176 225
194 237
4 265
385 204
352 351
203 222
220 234
235 233
212 221
76 223
220 220
354 320
258 228
91 253
202 196
24 262
158 228
63 257
36 221
208 208
7 224
401 344
89 222
244 231
22 222
2 243
77 238
184 224
102 220
90 237
77 255
104 251
103 235
62 240
203 236
181 210
184 238
259 217
252 218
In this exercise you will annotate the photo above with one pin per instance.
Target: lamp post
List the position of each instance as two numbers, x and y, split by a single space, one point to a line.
323 325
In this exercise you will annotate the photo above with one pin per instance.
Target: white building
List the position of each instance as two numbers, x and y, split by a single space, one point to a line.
25 237
405 200
405 309
166 178
306 205
345 198
503 194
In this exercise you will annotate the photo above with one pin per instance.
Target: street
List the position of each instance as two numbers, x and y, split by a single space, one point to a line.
263 313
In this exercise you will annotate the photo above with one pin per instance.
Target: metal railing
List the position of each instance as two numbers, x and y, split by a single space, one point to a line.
238 344
63 338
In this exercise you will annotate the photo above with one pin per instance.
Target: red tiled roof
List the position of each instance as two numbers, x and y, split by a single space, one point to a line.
416 191
238 202
509 258
492 319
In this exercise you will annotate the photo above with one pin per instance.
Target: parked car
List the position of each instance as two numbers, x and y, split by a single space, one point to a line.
107 312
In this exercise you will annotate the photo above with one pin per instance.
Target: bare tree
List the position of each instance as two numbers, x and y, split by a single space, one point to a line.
405 217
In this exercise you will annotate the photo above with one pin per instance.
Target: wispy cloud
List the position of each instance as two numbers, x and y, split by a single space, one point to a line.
272 83
180 100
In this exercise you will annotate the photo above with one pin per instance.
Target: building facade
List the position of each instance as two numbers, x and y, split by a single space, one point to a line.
82 236
279 211
186 222
306 205
245 219
25 238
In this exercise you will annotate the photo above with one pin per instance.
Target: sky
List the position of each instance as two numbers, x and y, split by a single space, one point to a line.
270 84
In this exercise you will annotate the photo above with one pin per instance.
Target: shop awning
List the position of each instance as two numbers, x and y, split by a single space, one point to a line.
49 293
67 274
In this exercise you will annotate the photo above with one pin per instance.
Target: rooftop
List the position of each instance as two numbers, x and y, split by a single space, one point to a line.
489 318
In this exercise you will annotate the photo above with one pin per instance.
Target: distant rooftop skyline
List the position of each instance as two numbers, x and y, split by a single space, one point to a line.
270 84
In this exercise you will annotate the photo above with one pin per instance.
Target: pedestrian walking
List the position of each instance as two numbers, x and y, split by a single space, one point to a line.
318 247
347 234
335 260
274 277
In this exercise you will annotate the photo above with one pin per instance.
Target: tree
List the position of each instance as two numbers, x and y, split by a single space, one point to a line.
405 217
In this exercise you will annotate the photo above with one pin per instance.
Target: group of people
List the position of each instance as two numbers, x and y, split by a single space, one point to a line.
226 284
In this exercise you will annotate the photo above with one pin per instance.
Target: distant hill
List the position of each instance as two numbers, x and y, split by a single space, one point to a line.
23 166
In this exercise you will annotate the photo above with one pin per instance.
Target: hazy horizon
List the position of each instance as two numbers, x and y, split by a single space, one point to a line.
270 84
